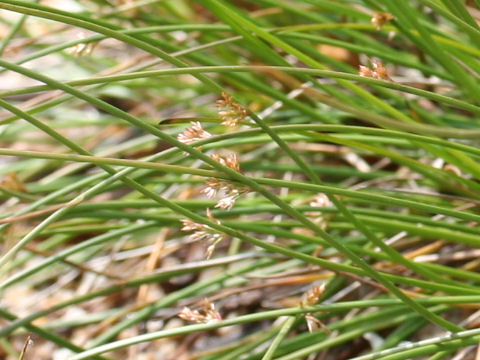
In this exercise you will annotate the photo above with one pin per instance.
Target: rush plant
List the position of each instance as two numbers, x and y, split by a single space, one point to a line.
248 180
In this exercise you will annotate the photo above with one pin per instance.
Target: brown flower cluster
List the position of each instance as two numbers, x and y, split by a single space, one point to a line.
204 232
378 71
312 297
230 112
381 18
205 315
231 191
193 134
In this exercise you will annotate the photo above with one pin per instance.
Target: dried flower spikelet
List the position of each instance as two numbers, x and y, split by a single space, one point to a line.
231 194
231 161
380 18
189 225
193 134
313 295
378 71
189 315
321 200
231 191
83 49
227 202
210 311
204 233
313 324
201 232
230 112
210 250
214 240
214 185
365 71
207 314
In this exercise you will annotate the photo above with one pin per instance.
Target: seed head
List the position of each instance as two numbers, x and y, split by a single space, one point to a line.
214 185
365 71
313 295
189 225
380 18
227 202
230 112
204 233
378 71
230 190
207 314
193 134
231 161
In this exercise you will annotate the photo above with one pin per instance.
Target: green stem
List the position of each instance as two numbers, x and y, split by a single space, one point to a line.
284 330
